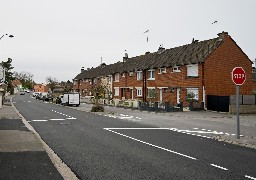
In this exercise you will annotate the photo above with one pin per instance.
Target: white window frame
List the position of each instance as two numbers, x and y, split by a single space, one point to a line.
109 79
149 89
192 70
130 73
117 77
176 68
139 75
195 91
162 70
116 91
150 74
139 92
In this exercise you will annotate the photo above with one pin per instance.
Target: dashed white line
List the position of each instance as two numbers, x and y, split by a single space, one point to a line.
71 118
57 119
168 150
250 177
39 120
214 165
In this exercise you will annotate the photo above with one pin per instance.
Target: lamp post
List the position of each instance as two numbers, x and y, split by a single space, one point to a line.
10 36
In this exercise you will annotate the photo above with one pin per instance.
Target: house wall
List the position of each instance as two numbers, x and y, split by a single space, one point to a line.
219 65
41 88
169 79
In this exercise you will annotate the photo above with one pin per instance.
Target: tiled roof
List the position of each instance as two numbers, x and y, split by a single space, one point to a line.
193 53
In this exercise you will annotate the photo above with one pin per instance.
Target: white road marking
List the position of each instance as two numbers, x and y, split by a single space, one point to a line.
136 128
29 101
56 119
219 167
168 150
250 177
71 118
39 120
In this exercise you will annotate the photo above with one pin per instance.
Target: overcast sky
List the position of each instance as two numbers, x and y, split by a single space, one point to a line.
57 37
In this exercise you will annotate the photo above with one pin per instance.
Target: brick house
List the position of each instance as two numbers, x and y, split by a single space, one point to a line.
168 75
41 88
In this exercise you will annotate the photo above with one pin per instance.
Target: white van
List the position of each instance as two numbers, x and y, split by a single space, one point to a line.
70 99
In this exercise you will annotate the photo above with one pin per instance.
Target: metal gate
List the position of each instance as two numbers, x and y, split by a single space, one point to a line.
218 103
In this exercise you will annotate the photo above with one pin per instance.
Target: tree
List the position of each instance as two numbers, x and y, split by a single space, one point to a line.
52 82
26 78
8 74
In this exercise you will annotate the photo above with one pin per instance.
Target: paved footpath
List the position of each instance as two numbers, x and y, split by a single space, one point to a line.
22 153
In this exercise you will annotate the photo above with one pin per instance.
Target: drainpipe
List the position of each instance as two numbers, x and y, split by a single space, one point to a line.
144 86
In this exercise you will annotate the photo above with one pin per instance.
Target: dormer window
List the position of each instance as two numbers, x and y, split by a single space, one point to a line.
151 74
130 73
162 70
123 74
139 75
176 68
192 70
116 77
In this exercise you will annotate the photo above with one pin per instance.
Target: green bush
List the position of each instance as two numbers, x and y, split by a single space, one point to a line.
97 109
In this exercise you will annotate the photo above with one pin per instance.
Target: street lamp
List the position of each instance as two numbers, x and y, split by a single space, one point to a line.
10 36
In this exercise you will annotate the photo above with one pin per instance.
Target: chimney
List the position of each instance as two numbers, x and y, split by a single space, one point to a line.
82 69
125 56
194 40
223 34
160 49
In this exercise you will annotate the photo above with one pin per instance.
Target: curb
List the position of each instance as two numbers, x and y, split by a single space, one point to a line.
62 168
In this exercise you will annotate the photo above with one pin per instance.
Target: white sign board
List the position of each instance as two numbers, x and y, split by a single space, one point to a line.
2 74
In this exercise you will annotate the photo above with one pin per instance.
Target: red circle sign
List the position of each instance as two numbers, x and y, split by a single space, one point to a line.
238 76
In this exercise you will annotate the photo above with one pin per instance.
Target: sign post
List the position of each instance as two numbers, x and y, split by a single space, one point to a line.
238 77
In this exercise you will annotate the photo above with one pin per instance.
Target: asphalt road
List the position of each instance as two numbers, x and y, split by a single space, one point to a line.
100 147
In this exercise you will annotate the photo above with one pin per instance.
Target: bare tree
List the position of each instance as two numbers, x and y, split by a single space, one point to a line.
51 82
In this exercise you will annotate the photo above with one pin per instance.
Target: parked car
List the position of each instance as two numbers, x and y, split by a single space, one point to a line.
22 92
35 94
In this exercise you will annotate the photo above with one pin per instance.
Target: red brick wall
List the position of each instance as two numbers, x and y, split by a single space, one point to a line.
40 88
168 79
218 68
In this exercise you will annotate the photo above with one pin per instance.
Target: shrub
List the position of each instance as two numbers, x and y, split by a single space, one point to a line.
97 109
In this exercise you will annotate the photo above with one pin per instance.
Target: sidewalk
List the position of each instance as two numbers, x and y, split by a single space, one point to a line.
207 119
22 153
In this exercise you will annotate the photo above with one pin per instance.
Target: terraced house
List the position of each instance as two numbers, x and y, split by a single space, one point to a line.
168 75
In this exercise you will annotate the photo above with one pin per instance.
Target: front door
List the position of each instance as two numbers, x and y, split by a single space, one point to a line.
160 95
178 95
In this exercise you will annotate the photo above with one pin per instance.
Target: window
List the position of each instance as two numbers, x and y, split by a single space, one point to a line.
162 70
139 92
192 70
117 77
151 74
86 80
130 73
116 91
151 92
176 68
109 79
139 75
123 74
194 91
